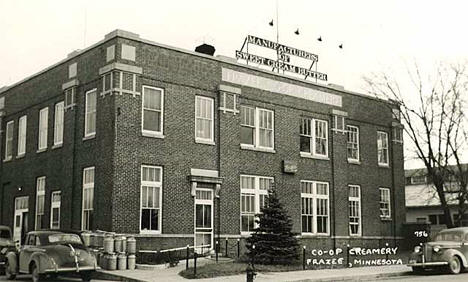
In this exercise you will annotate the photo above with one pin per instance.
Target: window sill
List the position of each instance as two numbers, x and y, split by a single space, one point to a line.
7 160
259 149
89 137
352 161
314 235
41 150
355 235
20 156
56 146
152 134
384 165
150 232
310 156
206 142
385 218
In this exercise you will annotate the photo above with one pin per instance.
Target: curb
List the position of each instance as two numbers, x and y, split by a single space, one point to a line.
113 277
356 277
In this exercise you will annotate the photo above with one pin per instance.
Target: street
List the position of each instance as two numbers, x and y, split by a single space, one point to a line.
429 277
59 279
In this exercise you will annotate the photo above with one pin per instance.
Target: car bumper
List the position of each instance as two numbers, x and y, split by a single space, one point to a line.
72 269
427 264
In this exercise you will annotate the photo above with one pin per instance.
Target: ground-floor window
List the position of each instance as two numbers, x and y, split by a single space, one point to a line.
151 198
254 190
55 210
385 203
40 200
354 210
315 207
88 198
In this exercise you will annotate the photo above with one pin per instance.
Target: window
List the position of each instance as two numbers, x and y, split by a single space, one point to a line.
90 113
43 126
397 133
257 127
314 137
151 198
254 190
153 105
354 210
55 210
69 98
315 207
382 148
419 179
204 115
88 199
119 82
396 113
9 140
339 123
58 124
353 143
40 199
385 203
22 135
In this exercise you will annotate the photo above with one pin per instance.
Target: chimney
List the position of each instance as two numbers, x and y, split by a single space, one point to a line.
205 49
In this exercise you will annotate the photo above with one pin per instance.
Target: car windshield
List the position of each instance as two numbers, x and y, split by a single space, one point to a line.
448 236
64 238
5 234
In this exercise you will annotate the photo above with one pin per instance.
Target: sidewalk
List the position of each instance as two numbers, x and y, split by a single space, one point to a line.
344 274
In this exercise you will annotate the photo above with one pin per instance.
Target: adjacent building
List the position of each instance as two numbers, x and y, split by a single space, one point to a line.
180 147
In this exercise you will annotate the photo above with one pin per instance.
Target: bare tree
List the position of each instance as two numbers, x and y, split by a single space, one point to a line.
433 112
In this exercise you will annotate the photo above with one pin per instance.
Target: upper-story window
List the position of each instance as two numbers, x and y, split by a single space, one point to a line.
314 137
9 140
353 143
43 128
22 124
69 97
58 124
152 111
90 113
257 127
204 119
382 148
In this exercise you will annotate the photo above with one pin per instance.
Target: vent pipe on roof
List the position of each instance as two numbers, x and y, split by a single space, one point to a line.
205 49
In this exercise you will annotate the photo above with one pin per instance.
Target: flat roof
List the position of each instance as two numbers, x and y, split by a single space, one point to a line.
220 58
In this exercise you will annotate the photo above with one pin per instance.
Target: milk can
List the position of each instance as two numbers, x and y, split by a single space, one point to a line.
109 244
122 261
100 240
131 245
118 244
86 239
102 261
131 262
124 244
93 240
111 262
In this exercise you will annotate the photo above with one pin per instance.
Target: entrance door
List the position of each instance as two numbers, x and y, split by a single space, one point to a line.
21 219
203 220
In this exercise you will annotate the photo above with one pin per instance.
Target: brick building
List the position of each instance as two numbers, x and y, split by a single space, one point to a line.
176 147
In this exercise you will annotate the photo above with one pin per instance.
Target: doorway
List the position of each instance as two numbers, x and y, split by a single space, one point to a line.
20 219
203 219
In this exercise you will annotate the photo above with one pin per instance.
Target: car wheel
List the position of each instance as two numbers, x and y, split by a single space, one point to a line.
36 276
9 273
86 276
417 269
454 265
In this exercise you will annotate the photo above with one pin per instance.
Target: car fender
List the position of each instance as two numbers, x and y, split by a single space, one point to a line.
448 254
13 261
41 260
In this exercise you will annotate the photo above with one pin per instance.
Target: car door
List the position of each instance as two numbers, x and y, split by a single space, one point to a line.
464 246
26 251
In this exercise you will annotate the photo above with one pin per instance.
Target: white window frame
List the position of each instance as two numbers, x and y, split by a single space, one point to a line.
40 192
339 124
89 188
198 139
55 205
147 132
43 128
397 135
357 208
87 132
380 147
386 202
155 184
312 137
10 127
315 197
59 123
256 137
349 145
257 193
22 126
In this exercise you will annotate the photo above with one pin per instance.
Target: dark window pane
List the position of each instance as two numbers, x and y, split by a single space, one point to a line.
154 219
145 219
152 121
305 144
247 135
207 216
199 216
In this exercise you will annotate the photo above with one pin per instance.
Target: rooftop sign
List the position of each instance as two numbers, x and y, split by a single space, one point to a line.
283 57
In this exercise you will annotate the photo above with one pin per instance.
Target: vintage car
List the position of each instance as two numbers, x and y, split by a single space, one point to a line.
448 250
6 245
51 252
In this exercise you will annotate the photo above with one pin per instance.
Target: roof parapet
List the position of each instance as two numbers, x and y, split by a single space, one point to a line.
122 33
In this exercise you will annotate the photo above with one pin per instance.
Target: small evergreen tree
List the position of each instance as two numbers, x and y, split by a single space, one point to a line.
274 241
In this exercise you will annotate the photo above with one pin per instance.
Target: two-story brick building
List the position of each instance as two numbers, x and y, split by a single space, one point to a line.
178 147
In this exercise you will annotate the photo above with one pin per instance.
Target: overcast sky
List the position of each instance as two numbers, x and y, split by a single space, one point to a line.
375 34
